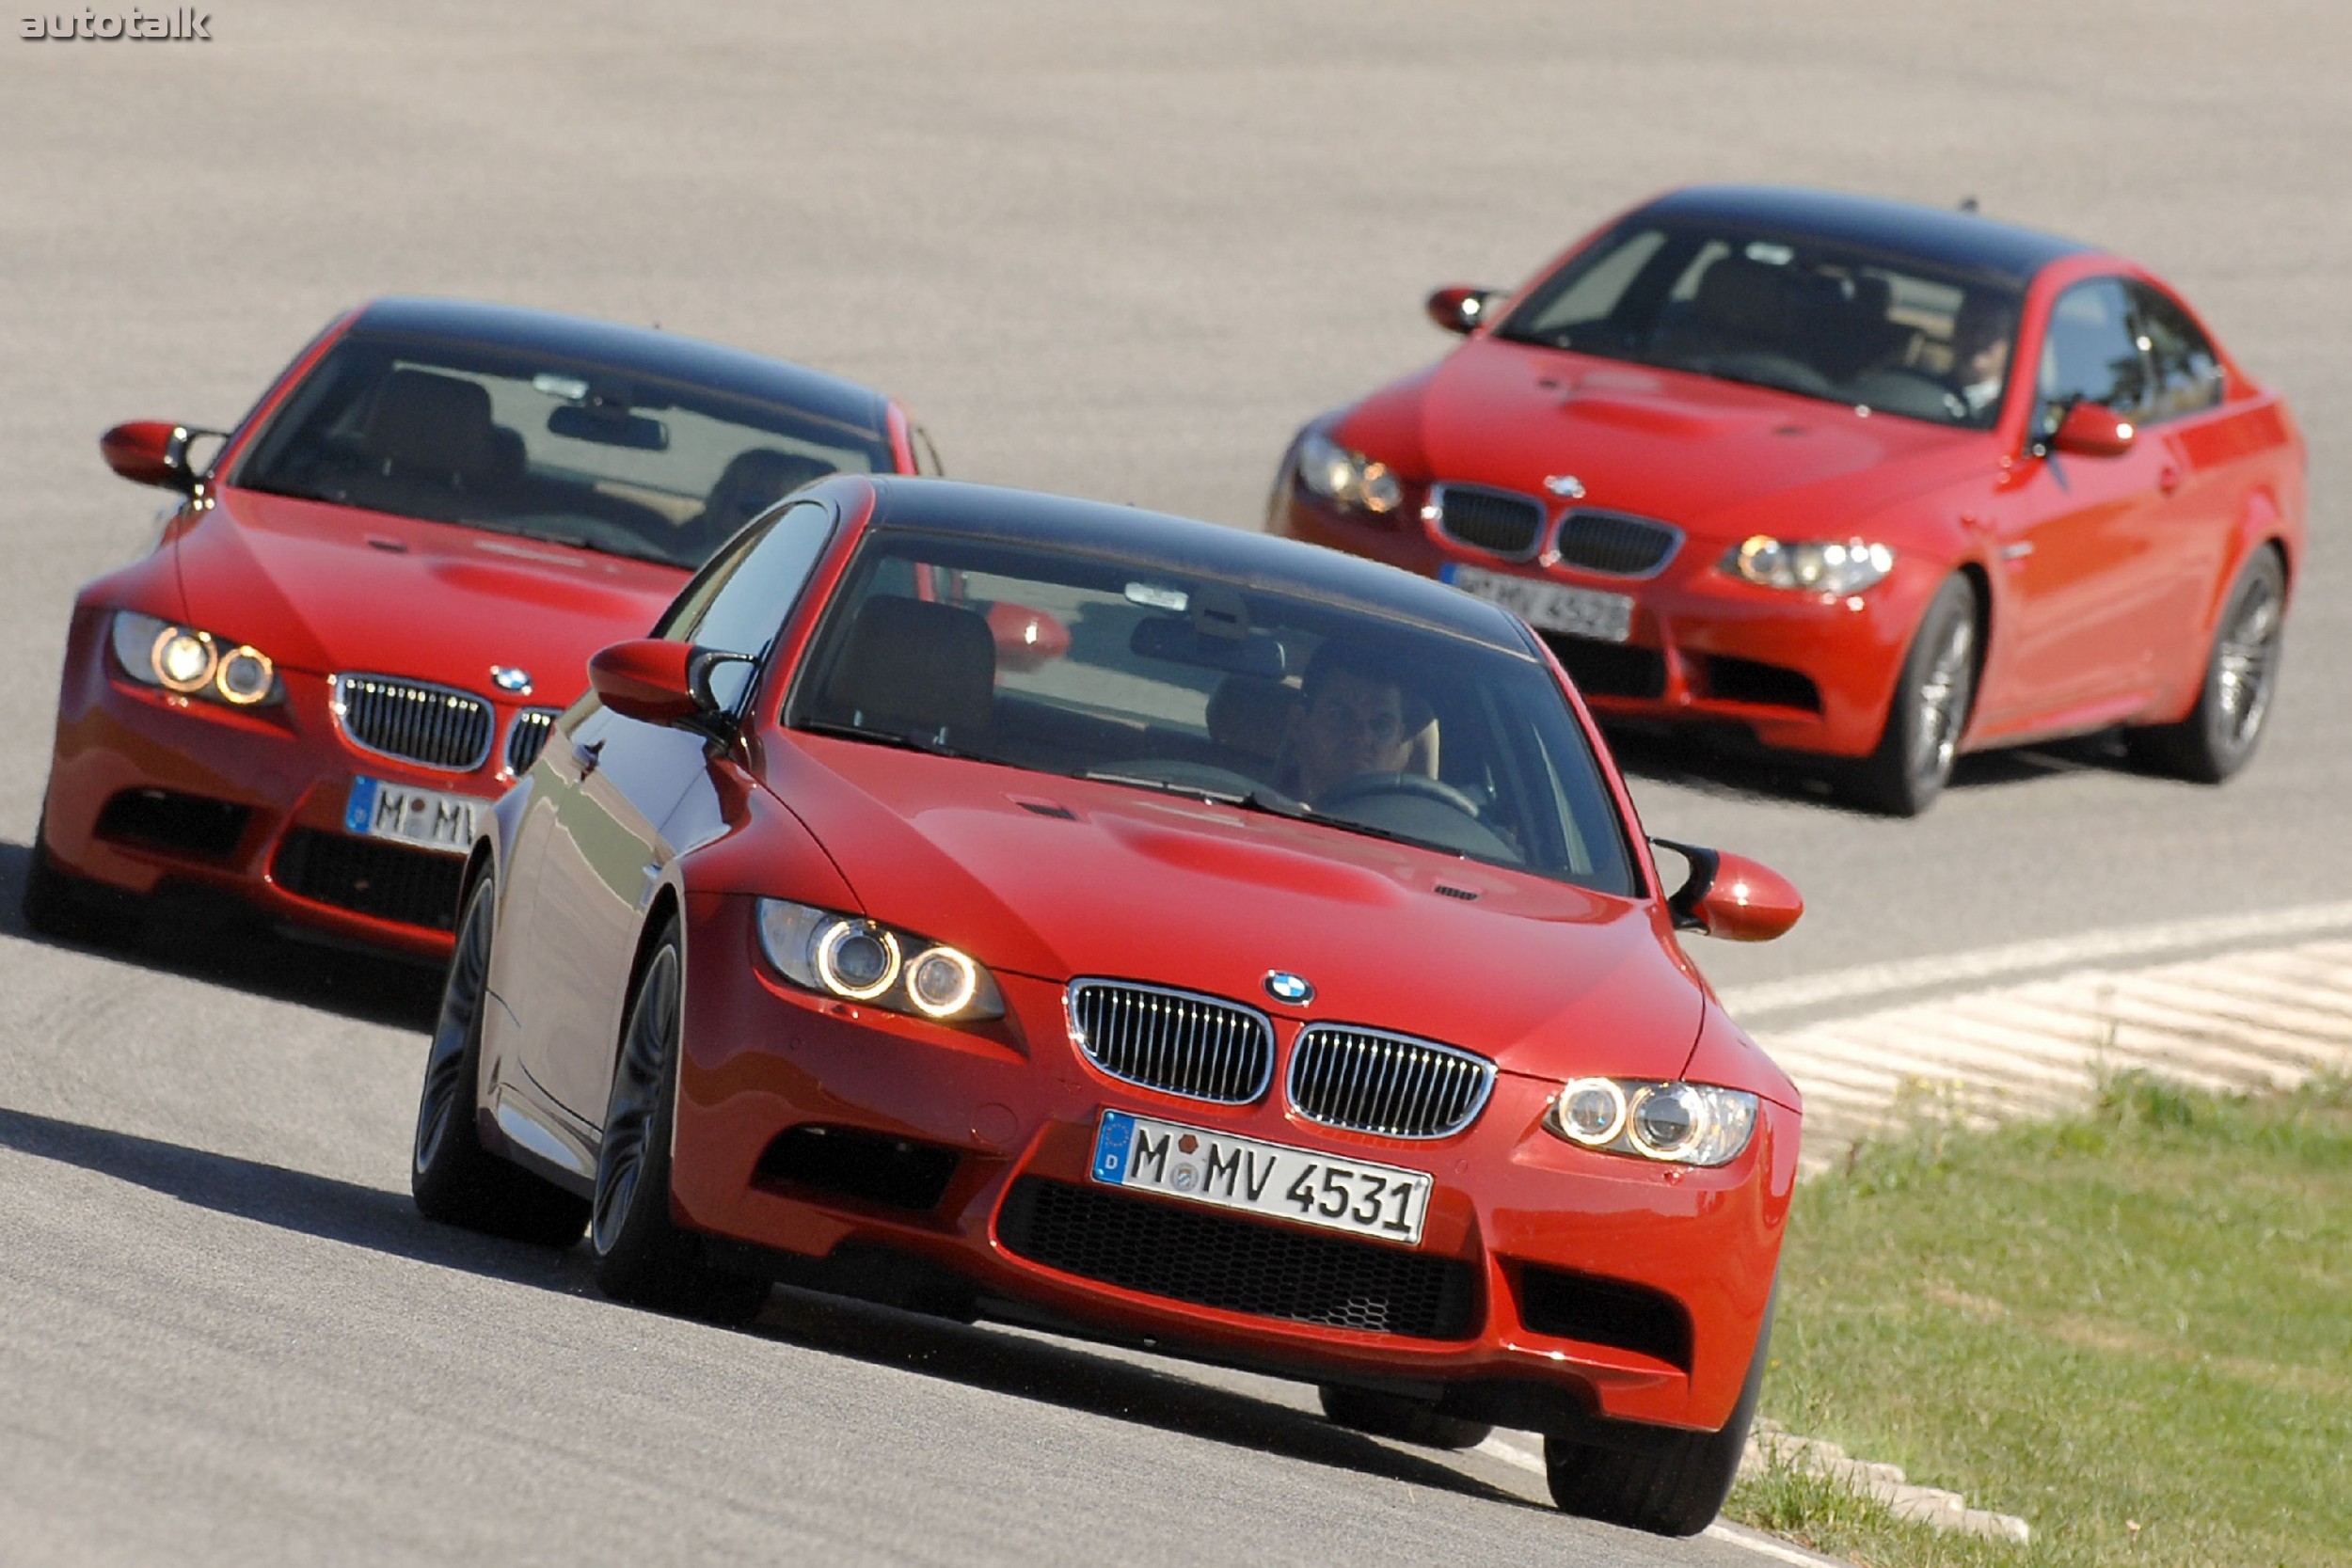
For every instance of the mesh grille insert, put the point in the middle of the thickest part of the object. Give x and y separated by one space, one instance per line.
414 887
1238 1265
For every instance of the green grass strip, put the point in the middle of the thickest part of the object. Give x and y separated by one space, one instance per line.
2132 1327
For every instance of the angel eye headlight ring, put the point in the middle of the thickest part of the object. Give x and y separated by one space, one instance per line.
941 982
245 676
183 660
857 959
1591 1111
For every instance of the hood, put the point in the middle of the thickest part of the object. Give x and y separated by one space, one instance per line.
325 589
1057 878
1715 458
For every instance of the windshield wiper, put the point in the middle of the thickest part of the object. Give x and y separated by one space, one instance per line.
1266 802
886 737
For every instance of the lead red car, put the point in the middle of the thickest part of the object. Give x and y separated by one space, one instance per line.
1868 482
1266 966
359 624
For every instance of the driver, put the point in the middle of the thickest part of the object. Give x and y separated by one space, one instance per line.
1357 715
1981 334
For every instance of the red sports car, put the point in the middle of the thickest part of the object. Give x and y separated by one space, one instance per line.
356 628
1851 478
1271 969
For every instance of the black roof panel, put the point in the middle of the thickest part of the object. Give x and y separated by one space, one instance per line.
646 351
1956 239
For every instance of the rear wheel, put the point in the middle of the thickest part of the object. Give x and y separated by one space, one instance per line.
1395 1416
2220 734
642 1257
454 1178
1929 711
1665 1482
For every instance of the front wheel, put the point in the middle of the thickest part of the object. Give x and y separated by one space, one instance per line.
2220 734
58 904
1928 712
453 1177
1665 1482
642 1257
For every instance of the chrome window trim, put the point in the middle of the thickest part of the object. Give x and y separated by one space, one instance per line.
1077 1035
339 707
1551 560
1534 551
1487 1072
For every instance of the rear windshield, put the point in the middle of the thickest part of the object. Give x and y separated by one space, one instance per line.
576 453
1156 680
1900 334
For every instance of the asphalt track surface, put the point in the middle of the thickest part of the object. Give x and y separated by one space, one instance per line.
1107 252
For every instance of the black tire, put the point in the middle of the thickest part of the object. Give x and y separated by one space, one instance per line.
1928 712
1395 1416
453 1177
642 1257
2220 733
58 904
1658 1479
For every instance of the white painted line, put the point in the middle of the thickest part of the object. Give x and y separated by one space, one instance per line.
1764 1545
1498 1447
1991 963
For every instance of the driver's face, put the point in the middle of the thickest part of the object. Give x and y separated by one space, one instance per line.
1354 726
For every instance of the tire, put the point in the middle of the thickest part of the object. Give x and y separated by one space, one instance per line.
1665 1482
453 1177
1393 1416
1928 712
642 1257
2220 733
58 904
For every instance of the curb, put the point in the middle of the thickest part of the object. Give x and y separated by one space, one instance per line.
1770 1447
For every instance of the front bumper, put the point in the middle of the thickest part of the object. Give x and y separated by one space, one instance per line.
247 803
1009 1113
1800 671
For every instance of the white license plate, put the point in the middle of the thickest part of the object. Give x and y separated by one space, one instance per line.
1550 606
1221 1169
427 818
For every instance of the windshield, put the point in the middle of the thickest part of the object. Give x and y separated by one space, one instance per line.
1895 333
575 453
1158 680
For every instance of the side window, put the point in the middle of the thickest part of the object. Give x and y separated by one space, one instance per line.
2091 352
2188 375
745 595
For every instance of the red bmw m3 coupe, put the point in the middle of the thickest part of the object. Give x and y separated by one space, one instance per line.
358 626
1271 969
1864 482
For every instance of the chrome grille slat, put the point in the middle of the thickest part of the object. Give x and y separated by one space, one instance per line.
1201 1047
1501 522
415 720
1370 1081
1615 544
526 734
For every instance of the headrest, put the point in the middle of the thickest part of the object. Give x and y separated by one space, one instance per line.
1743 296
756 476
1873 296
930 666
431 425
1251 715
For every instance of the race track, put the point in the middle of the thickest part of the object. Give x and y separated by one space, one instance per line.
1112 251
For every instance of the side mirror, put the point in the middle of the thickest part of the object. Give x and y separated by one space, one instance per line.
658 681
2093 430
1461 309
153 451
1731 897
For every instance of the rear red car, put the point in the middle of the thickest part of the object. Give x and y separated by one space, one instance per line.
358 628
1865 482
1270 970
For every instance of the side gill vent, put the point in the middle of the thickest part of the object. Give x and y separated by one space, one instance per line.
1465 894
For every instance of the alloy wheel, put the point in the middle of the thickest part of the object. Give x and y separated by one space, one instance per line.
630 1120
1943 702
2249 665
445 1066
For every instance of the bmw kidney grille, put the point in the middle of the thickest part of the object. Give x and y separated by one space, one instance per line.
1392 1085
430 724
526 735
1174 1040
1615 544
1500 521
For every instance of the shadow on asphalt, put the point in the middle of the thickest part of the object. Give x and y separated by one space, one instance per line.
217 942
1732 771
980 1357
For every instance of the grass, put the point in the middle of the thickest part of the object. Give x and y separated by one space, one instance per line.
2132 1327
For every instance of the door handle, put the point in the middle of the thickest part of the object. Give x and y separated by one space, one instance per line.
587 755
2170 480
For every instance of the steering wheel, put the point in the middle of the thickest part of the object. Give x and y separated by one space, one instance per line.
1421 784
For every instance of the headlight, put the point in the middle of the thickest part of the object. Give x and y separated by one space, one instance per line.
1680 1123
193 663
1347 478
1810 565
863 961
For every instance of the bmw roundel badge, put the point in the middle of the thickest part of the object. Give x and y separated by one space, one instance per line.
1281 985
507 678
